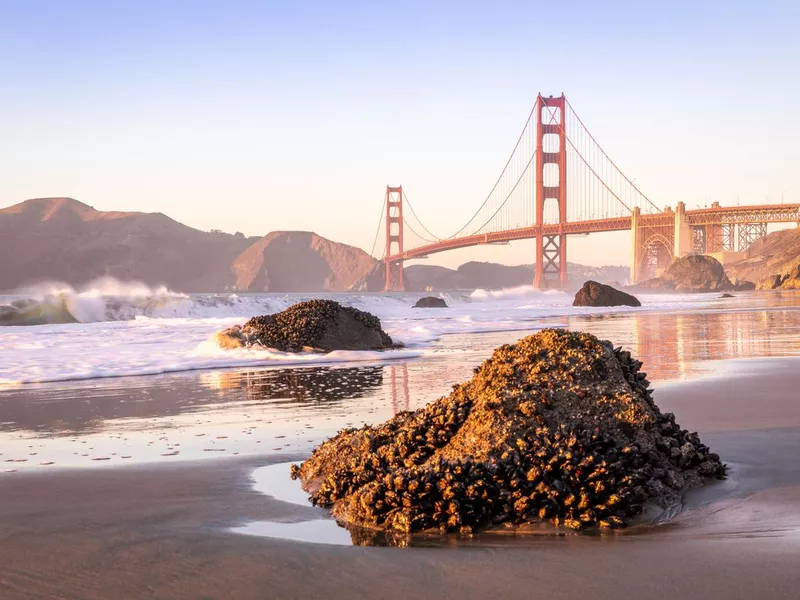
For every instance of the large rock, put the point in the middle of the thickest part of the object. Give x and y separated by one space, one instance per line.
430 302
318 325
560 427
598 294
695 273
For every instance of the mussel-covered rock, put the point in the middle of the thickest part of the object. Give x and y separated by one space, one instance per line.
599 294
430 302
322 325
559 427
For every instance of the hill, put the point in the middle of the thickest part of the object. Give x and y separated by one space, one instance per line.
65 240
777 254
302 261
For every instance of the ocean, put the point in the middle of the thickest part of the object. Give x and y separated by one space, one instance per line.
53 333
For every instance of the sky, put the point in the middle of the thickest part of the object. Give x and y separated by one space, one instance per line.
262 116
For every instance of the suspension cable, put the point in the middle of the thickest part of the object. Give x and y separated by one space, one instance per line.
413 212
378 232
503 172
422 237
525 170
633 185
600 179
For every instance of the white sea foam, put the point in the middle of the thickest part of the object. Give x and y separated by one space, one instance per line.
129 329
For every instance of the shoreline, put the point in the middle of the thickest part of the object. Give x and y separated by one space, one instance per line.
163 531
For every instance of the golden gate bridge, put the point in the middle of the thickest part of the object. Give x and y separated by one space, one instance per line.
558 181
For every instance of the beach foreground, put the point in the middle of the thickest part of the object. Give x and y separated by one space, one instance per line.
165 531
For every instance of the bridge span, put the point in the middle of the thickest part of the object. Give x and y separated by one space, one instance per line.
559 182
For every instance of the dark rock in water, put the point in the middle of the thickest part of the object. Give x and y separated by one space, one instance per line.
430 302
313 325
727 296
559 427
598 294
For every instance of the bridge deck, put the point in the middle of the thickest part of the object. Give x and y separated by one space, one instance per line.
775 213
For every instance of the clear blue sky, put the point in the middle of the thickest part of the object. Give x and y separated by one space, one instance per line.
256 116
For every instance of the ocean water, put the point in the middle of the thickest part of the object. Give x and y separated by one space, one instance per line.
56 333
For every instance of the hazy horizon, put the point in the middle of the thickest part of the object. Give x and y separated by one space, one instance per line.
254 118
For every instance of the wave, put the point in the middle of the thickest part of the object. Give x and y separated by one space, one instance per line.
514 293
104 299
108 299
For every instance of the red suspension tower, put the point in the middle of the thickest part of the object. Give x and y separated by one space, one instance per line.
394 238
551 186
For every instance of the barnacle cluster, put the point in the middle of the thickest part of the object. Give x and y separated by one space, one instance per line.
310 324
559 427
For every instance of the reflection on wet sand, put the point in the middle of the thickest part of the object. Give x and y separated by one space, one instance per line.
323 385
258 411
89 407
680 345
189 415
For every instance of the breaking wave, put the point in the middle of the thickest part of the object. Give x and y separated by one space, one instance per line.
104 299
108 299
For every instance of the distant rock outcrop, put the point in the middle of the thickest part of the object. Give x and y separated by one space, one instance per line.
775 256
786 281
695 273
315 325
597 294
430 302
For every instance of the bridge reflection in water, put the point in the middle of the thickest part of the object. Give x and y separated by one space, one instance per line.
685 345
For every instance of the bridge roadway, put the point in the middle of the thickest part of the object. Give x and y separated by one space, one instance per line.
774 213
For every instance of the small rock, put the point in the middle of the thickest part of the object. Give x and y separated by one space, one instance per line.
430 302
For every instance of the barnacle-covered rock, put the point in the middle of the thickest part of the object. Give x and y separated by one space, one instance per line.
312 325
559 427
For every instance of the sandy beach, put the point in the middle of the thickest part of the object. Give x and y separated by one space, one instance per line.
162 526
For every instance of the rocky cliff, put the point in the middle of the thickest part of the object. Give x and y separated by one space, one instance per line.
776 255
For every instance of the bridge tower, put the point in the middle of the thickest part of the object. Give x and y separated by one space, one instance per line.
551 186
394 238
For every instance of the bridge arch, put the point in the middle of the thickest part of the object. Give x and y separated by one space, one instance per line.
654 256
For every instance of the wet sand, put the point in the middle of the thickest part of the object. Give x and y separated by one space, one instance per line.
163 530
